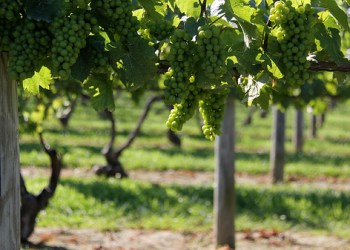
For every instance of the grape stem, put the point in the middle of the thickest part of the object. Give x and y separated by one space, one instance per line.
330 66
203 7
217 19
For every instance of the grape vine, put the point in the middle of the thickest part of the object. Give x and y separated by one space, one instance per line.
193 53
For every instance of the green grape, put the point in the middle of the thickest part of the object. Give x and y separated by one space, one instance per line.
10 10
101 61
160 29
294 33
70 35
9 18
212 52
184 110
211 107
181 66
120 16
28 49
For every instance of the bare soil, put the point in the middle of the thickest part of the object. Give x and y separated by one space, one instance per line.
137 239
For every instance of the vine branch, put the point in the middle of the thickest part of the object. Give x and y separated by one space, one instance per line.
330 66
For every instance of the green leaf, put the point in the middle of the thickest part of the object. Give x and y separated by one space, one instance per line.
99 87
191 26
257 93
44 10
82 67
191 8
227 8
40 79
154 8
336 11
329 41
138 63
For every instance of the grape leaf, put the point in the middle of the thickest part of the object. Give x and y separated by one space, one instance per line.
39 79
82 67
225 8
257 93
336 11
330 41
99 87
44 10
191 8
138 63
154 8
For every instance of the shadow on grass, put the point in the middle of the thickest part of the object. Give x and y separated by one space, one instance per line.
30 147
312 209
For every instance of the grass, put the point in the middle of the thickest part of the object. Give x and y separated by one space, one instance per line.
114 204
82 142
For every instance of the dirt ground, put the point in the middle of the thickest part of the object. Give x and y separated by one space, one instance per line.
132 239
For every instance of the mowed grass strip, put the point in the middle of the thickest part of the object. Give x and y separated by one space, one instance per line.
111 204
82 141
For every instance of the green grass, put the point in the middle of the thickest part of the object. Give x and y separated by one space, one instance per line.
113 204
82 142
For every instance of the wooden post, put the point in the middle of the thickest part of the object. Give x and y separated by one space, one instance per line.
277 146
9 162
224 193
298 137
313 126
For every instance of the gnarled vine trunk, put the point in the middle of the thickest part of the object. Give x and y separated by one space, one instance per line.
32 204
9 161
114 166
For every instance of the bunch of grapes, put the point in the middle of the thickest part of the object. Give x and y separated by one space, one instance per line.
28 49
295 35
212 52
181 64
212 106
160 29
119 14
9 17
70 35
100 61
184 110
10 10
6 34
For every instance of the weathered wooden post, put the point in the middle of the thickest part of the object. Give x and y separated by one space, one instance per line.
9 162
277 145
298 136
224 194
313 126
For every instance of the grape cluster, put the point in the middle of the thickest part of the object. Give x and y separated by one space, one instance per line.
70 35
100 61
211 51
119 14
9 9
28 49
160 29
9 17
294 33
184 110
181 63
211 107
